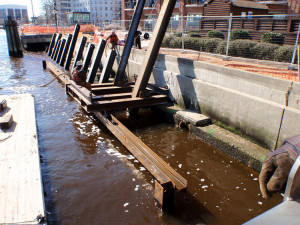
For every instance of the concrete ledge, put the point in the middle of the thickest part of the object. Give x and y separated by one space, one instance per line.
193 118
245 151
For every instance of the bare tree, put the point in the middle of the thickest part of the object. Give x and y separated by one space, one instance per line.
49 9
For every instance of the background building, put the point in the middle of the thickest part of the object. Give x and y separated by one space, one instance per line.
100 10
17 12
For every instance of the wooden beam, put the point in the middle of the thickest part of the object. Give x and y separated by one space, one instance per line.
72 47
108 67
88 56
112 96
79 53
95 64
111 90
57 50
66 49
55 46
61 48
51 44
153 49
119 104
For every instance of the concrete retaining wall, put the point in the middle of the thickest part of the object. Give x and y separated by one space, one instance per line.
252 103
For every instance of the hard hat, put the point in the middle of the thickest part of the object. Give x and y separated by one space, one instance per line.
113 31
79 63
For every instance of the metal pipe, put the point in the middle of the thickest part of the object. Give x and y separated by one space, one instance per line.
228 36
127 49
295 48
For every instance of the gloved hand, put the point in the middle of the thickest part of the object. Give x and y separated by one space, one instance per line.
276 168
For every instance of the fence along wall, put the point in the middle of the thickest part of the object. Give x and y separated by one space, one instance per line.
252 103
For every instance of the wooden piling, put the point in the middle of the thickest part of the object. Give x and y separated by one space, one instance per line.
56 45
61 48
80 51
13 38
65 51
88 56
72 47
108 67
57 50
96 63
50 48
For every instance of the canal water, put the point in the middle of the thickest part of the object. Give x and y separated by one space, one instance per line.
90 178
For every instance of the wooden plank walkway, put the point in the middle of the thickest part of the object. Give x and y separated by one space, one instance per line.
21 189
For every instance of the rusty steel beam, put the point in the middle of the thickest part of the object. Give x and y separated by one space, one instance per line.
153 49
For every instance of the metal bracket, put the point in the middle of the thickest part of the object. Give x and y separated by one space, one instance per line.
292 190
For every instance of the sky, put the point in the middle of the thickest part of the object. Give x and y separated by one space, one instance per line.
36 5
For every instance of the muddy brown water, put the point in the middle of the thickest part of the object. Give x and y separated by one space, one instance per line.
90 178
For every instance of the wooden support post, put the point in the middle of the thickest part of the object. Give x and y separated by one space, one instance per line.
88 56
289 25
255 24
72 47
108 67
80 51
13 38
153 49
3 104
50 48
65 51
6 121
57 50
164 194
55 46
96 63
61 48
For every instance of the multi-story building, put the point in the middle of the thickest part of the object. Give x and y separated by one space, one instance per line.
100 10
17 12
62 7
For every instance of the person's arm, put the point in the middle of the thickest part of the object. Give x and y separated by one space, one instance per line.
276 168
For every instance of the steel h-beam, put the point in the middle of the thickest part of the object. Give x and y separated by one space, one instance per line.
127 48
51 44
97 59
72 47
88 57
80 51
62 45
107 67
55 46
66 49
57 50
153 49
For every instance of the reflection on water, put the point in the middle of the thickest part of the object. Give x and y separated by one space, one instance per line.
90 178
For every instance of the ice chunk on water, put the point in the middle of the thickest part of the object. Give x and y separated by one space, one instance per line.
126 204
180 165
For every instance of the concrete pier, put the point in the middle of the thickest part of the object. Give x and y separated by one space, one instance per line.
21 189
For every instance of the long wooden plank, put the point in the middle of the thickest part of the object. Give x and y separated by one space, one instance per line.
119 104
114 128
111 90
21 189
178 181
58 72
153 49
112 96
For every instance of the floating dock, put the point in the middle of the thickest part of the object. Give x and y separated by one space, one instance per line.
21 189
